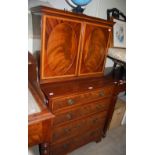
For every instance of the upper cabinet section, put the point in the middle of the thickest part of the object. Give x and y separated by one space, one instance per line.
72 45
94 49
60 47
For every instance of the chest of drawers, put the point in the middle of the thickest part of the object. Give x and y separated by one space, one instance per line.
81 114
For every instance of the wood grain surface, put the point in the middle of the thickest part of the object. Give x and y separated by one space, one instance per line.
94 49
73 53
61 47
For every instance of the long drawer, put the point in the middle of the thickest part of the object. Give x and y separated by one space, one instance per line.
57 104
79 127
81 111
73 143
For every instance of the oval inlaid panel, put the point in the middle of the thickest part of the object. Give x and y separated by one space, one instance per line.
94 50
61 47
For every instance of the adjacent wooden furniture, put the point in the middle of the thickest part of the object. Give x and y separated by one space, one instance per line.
73 53
40 120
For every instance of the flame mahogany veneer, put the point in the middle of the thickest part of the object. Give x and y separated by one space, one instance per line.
71 74
72 45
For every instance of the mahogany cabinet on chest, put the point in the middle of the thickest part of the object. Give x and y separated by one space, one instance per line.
71 68
72 46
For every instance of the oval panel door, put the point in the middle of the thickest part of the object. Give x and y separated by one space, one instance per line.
94 50
60 49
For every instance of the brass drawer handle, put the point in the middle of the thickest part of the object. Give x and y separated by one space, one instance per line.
55 135
99 106
78 126
66 130
92 133
94 120
69 116
70 101
65 146
101 94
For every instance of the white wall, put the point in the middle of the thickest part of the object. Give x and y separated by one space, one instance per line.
96 8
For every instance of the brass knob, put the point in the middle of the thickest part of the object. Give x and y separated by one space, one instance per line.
69 116
51 94
101 94
90 87
70 101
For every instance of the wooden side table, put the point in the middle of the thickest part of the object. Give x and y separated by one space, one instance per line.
40 120
39 123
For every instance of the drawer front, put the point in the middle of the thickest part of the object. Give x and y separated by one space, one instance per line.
78 127
60 103
84 110
71 144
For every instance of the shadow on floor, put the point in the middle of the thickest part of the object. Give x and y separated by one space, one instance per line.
113 144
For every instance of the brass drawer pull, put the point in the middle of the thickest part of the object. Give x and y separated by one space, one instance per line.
65 146
55 135
66 130
94 120
78 126
70 101
101 94
69 116
92 133
99 106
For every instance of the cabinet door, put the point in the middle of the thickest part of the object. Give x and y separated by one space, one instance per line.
60 47
94 49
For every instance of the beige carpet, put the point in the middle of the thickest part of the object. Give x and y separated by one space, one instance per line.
113 144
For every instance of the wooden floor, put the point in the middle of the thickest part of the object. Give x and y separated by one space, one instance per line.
113 144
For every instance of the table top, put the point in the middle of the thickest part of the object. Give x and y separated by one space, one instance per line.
32 104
